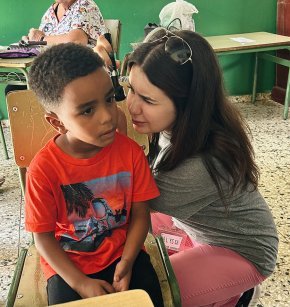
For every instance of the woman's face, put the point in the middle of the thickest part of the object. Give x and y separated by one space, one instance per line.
151 109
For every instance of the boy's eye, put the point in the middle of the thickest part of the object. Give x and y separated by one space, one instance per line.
87 111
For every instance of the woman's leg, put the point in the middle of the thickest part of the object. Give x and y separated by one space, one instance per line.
208 275
213 276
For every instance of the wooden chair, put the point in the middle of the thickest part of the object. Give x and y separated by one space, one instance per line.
30 132
114 27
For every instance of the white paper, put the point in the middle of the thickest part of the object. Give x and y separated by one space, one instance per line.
242 40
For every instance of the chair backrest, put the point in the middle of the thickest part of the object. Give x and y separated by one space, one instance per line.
114 27
30 131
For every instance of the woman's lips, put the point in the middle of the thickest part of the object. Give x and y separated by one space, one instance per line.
138 123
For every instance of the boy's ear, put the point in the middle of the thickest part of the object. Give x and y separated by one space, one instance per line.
55 122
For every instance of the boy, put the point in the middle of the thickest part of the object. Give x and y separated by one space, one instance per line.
86 188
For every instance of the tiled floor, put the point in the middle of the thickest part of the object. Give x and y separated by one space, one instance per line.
271 139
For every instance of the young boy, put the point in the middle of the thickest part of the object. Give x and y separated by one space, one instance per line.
86 189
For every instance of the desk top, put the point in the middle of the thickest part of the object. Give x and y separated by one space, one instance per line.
131 298
225 43
16 63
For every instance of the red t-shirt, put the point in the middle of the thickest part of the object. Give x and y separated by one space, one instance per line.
87 202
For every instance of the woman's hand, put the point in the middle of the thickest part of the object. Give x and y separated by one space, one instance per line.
35 34
122 275
89 287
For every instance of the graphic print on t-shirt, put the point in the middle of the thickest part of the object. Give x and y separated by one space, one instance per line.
94 208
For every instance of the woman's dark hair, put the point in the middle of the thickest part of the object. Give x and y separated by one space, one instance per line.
52 70
207 124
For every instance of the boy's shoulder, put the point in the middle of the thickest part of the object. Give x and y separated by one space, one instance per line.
44 155
124 142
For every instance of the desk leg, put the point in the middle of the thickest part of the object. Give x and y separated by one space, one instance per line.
287 97
254 93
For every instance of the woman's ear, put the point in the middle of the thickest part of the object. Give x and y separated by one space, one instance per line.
55 122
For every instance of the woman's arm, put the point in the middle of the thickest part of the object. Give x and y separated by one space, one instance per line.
136 235
75 36
49 248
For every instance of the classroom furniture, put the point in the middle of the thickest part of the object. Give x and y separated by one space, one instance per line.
283 28
30 132
114 27
131 298
20 77
258 43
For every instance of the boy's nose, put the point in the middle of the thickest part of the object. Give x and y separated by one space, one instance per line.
105 115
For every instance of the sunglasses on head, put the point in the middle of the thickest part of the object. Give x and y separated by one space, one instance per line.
175 46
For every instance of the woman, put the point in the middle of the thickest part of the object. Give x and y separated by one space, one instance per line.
78 21
203 163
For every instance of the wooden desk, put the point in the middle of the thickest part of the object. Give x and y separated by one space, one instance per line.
131 298
258 43
22 65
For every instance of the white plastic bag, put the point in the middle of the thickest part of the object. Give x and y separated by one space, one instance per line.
178 15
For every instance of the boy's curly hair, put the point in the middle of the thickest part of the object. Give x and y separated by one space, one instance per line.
57 66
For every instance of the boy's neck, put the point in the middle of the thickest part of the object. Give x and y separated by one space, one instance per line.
76 148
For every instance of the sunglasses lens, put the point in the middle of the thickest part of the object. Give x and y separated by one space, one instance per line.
178 50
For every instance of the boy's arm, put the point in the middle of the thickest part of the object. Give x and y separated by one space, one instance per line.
50 250
136 235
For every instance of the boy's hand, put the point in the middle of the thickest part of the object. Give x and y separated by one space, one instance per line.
90 287
122 275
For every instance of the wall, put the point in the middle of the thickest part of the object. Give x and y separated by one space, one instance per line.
215 17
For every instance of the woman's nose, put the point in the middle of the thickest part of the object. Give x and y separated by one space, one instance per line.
133 104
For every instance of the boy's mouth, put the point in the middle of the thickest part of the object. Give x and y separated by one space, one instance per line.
109 132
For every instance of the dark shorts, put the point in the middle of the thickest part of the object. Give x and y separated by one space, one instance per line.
143 277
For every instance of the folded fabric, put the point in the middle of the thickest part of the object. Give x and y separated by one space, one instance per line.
19 53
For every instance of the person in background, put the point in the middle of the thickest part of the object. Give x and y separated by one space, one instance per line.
87 189
203 163
77 21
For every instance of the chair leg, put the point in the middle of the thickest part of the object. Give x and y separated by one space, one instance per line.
175 291
16 278
3 141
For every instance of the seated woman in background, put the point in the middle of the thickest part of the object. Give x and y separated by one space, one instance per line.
76 21
204 166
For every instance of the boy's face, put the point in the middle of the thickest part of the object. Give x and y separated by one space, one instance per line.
88 113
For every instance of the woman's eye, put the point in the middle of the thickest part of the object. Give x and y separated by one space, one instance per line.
130 89
111 99
148 101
